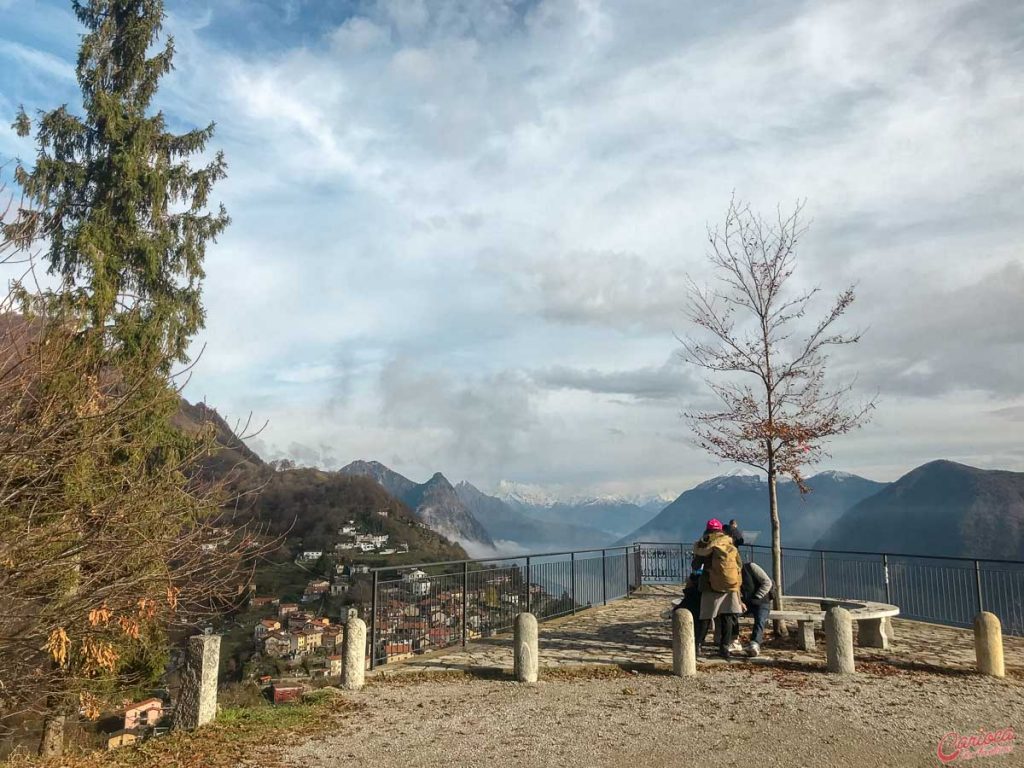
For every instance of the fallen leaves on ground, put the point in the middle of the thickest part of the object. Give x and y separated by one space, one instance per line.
249 735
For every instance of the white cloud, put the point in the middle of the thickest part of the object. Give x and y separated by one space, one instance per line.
439 206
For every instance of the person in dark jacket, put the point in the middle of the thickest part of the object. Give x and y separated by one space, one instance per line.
757 592
733 529
691 601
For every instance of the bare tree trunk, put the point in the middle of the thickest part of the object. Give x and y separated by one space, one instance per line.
773 510
52 742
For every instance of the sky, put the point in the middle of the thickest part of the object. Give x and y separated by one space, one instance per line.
463 229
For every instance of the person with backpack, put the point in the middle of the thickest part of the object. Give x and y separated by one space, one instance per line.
757 592
720 584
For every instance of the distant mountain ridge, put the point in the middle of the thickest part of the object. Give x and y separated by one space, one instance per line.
537 497
304 506
434 502
507 524
941 508
743 496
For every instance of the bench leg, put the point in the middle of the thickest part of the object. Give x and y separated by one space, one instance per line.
871 633
805 636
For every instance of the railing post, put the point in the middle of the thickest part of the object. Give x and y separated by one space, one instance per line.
885 574
682 564
604 579
572 580
977 584
528 585
465 599
637 567
824 582
373 623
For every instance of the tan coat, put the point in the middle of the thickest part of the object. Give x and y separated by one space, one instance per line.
722 562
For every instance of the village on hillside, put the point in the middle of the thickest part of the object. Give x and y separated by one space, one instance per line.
292 644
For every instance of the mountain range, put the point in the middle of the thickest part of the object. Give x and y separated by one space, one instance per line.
303 507
804 518
615 515
514 529
940 508
434 502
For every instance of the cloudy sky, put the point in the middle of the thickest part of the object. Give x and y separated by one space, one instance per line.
462 228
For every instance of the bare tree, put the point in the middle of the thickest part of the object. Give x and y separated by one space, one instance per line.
112 539
777 410
110 542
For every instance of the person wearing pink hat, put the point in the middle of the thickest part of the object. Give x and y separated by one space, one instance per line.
720 584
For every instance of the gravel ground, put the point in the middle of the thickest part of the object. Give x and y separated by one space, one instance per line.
727 715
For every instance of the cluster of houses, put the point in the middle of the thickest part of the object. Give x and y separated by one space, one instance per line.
295 633
420 612
415 614
354 540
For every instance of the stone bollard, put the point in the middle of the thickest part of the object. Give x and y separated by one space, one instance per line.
197 697
353 653
684 649
839 641
524 645
988 644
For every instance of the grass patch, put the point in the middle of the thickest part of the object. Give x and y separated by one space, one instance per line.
250 734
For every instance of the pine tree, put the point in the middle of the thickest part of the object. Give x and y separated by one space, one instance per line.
95 470
124 212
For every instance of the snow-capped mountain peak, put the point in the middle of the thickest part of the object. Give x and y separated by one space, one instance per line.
537 496
523 493
745 475
836 475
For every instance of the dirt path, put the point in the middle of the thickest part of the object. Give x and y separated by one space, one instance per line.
738 715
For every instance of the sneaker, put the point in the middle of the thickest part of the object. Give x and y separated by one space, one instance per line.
753 649
736 647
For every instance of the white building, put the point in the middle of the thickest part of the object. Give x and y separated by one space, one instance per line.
419 583
311 554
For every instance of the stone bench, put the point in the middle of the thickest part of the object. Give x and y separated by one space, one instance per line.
873 619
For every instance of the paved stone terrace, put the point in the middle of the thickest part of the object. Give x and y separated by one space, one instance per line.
631 633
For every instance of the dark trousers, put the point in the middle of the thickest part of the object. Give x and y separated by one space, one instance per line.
730 628
760 614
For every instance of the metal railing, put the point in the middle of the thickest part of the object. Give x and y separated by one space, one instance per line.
416 608
941 590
